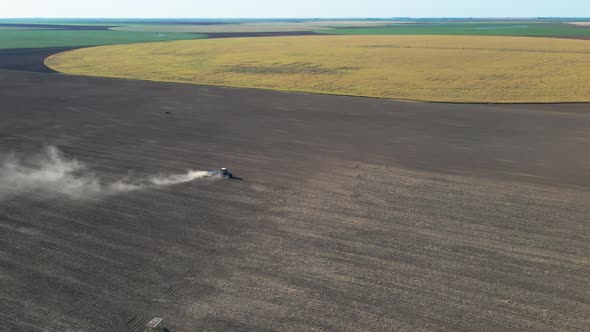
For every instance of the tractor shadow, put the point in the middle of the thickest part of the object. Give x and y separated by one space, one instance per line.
236 178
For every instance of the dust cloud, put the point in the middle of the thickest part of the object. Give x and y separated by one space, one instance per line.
51 174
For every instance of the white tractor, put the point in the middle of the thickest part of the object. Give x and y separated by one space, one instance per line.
226 173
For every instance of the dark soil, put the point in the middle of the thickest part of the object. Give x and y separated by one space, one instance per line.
29 59
353 213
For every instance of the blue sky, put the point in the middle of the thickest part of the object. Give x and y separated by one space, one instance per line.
293 8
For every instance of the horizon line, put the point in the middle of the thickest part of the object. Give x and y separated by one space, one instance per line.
307 18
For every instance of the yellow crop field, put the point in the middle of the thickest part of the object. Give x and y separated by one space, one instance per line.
427 68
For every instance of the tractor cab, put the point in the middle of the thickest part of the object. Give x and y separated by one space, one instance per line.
226 173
